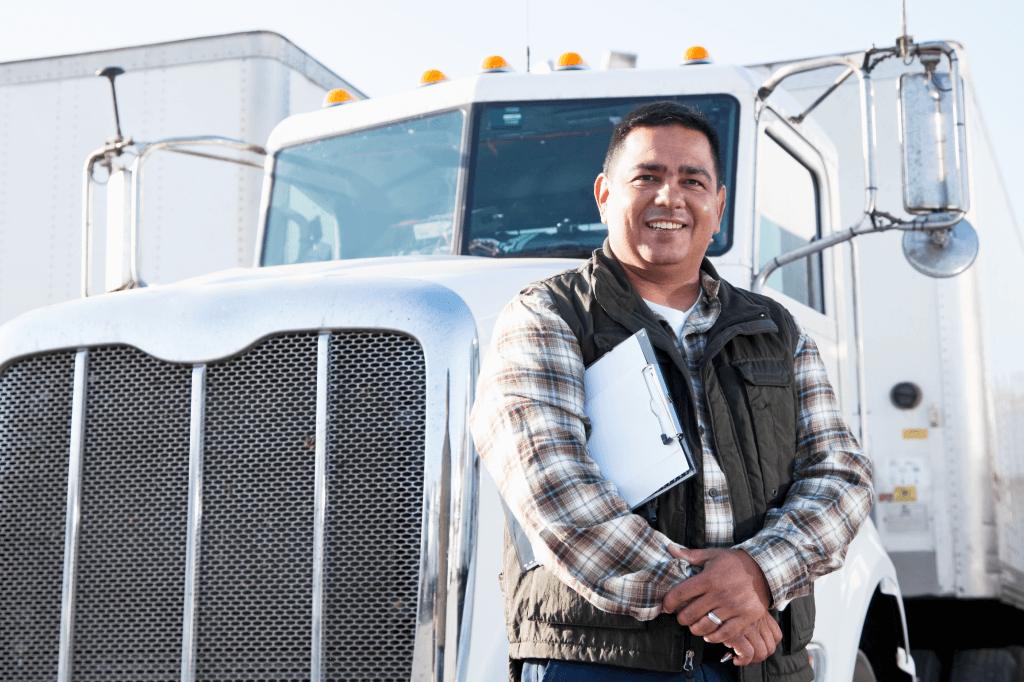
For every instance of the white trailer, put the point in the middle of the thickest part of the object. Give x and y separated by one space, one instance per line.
201 216
945 394
268 471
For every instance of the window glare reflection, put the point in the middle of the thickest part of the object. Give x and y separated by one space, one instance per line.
387 191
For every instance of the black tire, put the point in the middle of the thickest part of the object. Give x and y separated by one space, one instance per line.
984 665
929 667
1018 653
862 670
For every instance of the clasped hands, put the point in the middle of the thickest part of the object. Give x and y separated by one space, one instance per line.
733 587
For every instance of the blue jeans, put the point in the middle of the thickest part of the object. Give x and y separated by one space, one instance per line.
567 671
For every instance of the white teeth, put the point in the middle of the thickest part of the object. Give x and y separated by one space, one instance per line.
664 225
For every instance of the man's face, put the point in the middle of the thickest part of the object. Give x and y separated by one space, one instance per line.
660 201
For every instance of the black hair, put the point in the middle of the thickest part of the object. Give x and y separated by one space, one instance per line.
664 113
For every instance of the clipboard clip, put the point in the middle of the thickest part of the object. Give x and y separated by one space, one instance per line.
656 392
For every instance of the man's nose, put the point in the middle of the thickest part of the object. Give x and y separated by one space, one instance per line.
669 195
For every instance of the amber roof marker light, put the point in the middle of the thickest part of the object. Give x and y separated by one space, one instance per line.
432 77
696 55
496 64
337 96
570 61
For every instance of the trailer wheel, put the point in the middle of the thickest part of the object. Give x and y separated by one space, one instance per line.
862 670
984 665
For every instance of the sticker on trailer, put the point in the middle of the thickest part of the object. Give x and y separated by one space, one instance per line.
906 493
906 518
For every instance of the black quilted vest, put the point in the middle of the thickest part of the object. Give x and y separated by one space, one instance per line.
750 393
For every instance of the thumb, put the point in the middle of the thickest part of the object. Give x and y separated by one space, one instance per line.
696 557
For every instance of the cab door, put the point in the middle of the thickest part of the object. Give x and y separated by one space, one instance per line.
794 206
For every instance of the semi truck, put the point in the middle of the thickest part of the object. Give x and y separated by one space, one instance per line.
266 472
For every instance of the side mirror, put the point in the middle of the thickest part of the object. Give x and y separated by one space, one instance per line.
941 253
933 141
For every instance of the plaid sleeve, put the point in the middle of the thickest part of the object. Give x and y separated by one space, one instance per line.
530 429
831 492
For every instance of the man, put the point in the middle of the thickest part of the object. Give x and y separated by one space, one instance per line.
727 563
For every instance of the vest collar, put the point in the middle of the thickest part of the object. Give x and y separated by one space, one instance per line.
741 312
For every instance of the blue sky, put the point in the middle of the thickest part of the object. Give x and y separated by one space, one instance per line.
382 47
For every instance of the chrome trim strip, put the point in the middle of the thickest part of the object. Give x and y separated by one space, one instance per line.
74 515
446 498
266 194
320 502
465 500
197 425
428 653
462 182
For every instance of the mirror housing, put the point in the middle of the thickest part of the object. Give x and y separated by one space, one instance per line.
933 141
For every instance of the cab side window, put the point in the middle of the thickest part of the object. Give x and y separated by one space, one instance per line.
787 201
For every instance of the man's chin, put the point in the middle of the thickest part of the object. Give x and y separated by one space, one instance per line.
662 257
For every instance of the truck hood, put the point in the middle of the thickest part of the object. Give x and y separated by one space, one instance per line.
219 315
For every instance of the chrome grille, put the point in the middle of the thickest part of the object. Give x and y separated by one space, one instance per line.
375 455
35 434
256 551
254 578
133 524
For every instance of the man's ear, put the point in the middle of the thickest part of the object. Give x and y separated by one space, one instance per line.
721 206
601 194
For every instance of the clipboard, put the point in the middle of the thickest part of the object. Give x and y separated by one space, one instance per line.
636 438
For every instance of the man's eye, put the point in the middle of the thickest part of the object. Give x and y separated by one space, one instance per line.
694 181
645 178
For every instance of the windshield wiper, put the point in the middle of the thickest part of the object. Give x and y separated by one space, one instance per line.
554 251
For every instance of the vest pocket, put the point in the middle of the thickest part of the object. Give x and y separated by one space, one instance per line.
797 624
555 603
769 386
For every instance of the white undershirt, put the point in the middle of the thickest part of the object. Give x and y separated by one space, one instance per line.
675 318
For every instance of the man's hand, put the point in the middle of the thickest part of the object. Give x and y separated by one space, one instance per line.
731 585
757 643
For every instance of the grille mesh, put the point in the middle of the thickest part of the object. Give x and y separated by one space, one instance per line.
35 428
131 554
375 452
256 558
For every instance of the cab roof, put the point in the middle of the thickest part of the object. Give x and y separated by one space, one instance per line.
703 79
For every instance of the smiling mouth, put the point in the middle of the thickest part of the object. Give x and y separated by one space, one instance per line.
664 225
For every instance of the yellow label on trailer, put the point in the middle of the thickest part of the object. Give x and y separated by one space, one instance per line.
906 493
914 433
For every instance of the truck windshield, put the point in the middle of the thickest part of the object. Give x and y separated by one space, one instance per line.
393 190
534 166
387 191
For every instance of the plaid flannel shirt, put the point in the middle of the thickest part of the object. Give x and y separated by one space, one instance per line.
530 427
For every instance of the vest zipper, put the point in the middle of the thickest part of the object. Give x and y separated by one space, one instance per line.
688 663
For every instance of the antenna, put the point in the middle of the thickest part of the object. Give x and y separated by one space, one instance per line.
527 36
904 42
112 72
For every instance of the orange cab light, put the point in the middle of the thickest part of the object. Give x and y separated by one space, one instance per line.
696 55
337 96
570 61
495 64
431 77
